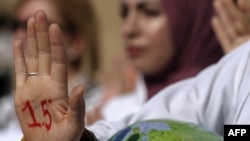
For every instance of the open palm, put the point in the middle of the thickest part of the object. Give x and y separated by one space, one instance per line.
43 107
232 23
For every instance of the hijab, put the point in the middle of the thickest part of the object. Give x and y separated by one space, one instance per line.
194 41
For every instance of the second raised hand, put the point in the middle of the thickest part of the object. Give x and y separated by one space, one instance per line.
231 24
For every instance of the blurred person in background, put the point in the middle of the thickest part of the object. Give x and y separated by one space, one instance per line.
123 91
161 60
77 20
164 46
9 127
5 53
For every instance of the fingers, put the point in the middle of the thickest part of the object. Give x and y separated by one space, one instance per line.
232 17
245 6
94 115
225 18
238 18
76 111
42 35
229 24
43 39
59 59
32 59
20 65
221 34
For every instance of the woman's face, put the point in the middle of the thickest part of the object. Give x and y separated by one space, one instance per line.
147 34
26 10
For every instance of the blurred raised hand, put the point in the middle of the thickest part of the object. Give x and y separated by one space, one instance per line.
44 109
231 22
119 81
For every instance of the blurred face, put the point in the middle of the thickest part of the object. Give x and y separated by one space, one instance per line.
27 10
146 33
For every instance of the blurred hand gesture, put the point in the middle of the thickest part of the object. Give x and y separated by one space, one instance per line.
43 107
232 22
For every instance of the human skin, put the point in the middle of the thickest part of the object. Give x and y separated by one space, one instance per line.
44 109
27 10
147 36
75 44
231 23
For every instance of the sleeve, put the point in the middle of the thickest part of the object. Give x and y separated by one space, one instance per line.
216 96
86 136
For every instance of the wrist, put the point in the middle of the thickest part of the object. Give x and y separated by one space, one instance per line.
88 136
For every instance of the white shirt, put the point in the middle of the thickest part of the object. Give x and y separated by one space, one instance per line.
126 103
9 126
216 96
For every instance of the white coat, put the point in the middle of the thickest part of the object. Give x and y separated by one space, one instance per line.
218 95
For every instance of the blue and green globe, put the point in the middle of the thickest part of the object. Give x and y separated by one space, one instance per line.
165 130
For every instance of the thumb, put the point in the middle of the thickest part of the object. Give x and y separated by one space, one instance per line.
76 110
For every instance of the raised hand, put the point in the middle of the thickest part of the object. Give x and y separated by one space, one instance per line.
232 22
43 107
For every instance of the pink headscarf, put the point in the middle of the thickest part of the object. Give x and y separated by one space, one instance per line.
193 38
